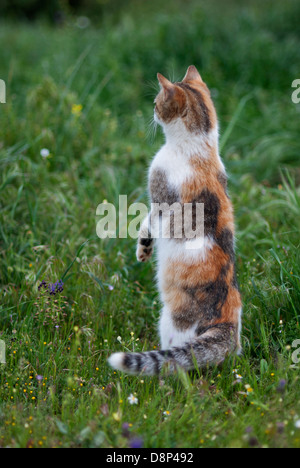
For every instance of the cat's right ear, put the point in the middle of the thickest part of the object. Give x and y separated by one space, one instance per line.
167 86
192 74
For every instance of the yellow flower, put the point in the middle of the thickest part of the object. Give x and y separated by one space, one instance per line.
76 109
117 416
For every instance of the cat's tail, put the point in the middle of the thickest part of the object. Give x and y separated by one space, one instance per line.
211 347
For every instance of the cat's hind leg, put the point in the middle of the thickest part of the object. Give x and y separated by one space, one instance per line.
170 336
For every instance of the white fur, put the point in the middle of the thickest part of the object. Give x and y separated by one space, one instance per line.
116 361
173 249
175 165
169 335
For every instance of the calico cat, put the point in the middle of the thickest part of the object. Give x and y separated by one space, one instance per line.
200 321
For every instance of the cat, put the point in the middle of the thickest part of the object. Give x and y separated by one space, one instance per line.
200 322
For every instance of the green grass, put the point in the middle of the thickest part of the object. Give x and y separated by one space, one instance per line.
249 56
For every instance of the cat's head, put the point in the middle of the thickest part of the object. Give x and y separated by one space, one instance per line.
188 100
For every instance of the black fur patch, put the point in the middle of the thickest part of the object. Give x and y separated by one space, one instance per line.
211 211
201 114
138 358
166 353
160 190
155 358
128 360
146 242
226 242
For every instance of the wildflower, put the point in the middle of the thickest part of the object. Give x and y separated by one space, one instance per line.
136 443
43 284
125 430
133 399
166 413
39 378
238 377
53 288
45 153
117 416
76 109
110 287
281 386
248 388
297 424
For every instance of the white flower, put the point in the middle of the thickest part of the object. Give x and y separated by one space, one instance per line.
45 153
119 339
133 399
238 377
166 413
297 424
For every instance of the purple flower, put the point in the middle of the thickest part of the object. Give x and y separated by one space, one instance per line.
125 430
281 386
39 378
42 284
136 443
58 286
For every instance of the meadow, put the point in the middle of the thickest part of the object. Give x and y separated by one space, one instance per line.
86 96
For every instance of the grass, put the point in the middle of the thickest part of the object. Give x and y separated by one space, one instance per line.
248 56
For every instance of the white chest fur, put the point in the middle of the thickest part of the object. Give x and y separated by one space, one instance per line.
174 164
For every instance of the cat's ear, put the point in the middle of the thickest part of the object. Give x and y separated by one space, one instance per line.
167 86
192 74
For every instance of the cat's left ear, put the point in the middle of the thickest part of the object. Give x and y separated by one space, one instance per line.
192 74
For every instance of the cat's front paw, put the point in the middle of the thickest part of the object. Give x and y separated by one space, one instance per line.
143 252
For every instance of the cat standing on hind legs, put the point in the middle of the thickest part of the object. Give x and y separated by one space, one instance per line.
201 315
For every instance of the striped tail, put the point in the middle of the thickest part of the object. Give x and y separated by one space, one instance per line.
211 347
